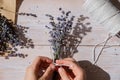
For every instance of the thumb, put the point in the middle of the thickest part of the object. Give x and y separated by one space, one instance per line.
30 74
48 73
63 74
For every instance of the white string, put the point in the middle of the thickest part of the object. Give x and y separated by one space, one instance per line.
105 42
94 50
105 13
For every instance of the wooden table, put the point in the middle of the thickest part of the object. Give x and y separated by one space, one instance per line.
108 65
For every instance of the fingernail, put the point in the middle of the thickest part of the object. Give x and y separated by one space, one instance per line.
60 69
52 67
57 61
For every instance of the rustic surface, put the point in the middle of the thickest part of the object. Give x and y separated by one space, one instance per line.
107 67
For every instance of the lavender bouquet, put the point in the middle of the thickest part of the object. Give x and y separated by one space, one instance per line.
65 37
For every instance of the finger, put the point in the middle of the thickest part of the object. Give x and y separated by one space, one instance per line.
48 73
36 63
69 59
63 74
76 69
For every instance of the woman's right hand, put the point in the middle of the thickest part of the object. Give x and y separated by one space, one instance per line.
73 70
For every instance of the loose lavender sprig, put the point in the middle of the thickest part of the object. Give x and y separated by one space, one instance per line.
21 13
27 14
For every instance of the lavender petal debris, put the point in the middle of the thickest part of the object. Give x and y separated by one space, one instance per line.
66 36
11 36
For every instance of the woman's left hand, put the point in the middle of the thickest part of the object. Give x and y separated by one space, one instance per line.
41 69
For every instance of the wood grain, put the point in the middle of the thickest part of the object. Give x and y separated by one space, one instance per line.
108 65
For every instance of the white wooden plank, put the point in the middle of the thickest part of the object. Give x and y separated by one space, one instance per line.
108 61
90 39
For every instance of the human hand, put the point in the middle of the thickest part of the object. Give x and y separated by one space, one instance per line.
41 69
71 70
